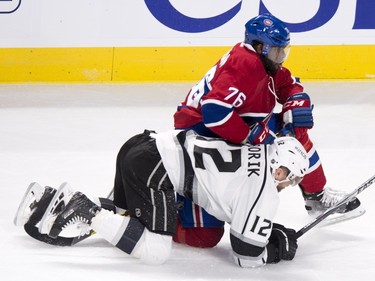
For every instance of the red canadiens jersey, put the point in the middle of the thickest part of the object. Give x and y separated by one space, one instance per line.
235 93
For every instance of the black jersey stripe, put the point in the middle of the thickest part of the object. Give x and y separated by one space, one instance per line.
261 190
244 249
189 171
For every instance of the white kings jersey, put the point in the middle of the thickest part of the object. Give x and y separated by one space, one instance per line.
231 182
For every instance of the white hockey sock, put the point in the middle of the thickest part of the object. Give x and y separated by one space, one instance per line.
153 248
109 225
129 235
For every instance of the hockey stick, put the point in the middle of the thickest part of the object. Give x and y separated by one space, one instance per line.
333 209
111 194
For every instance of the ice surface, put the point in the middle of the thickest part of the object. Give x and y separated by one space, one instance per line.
56 133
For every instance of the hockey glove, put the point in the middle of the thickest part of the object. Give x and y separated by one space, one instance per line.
261 134
297 114
282 244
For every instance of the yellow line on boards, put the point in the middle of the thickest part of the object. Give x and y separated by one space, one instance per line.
169 64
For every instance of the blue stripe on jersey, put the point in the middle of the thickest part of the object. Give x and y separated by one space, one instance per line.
275 122
202 130
314 159
214 113
186 214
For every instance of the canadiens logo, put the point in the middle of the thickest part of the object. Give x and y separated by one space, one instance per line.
268 22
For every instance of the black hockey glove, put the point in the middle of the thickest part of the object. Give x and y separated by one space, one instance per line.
282 244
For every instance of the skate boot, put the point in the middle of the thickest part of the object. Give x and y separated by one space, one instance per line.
318 203
56 205
78 212
33 204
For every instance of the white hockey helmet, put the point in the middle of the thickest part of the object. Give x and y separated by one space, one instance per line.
289 153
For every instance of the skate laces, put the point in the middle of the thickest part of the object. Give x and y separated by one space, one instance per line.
331 197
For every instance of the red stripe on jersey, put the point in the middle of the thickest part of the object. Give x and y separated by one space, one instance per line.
198 222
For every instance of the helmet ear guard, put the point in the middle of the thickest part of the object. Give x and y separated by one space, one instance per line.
288 152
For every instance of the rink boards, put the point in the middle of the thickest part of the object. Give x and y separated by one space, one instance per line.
170 40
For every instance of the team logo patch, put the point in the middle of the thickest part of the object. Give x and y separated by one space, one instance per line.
268 22
138 212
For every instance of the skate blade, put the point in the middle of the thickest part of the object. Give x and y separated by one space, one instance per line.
32 195
57 204
338 218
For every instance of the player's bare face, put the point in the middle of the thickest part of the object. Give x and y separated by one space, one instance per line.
281 176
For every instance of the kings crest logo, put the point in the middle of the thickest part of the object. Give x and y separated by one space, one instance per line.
9 6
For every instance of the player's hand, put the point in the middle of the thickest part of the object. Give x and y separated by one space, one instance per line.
282 244
297 114
261 134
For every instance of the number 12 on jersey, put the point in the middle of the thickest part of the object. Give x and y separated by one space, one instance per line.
261 227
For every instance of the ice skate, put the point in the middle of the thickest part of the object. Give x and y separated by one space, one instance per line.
35 197
57 204
318 203
78 212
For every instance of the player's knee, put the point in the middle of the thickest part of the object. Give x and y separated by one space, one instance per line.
154 248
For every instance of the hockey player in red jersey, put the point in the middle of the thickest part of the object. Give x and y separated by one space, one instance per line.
235 100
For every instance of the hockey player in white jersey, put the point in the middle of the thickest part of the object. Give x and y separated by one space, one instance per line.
238 184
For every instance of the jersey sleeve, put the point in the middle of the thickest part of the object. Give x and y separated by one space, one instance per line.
286 85
251 227
228 94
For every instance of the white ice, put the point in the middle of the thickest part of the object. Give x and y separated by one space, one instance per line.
55 133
